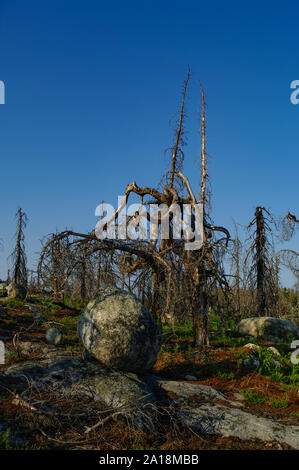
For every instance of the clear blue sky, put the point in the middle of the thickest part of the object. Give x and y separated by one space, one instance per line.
91 87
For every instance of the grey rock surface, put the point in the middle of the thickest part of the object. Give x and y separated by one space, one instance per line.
28 348
254 348
15 291
119 331
199 407
32 308
251 361
225 421
190 377
67 374
268 328
184 390
274 351
53 336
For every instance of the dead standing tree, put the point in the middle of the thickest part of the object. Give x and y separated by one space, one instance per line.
289 257
18 256
263 267
168 259
59 263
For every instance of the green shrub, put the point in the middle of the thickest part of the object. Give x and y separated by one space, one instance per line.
7 443
252 396
227 340
225 375
12 356
282 403
184 331
13 303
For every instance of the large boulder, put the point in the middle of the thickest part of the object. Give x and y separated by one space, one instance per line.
119 331
16 291
3 291
268 328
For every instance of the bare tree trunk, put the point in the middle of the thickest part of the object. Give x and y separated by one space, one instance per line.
236 261
99 271
83 275
200 321
19 257
260 260
200 314
55 254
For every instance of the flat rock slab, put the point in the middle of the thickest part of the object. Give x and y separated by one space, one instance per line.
67 374
184 391
199 407
231 422
28 348
89 378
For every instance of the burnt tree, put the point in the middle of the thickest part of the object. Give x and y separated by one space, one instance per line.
18 256
162 263
263 263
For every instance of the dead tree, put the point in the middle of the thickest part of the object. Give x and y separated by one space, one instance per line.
235 259
289 257
164 262
18 256
60 262
260 252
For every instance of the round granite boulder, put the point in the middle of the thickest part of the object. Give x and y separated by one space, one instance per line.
16 291
117 330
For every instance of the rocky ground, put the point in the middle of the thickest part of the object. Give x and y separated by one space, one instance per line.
54 396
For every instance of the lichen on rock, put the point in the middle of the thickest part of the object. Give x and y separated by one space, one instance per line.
119 331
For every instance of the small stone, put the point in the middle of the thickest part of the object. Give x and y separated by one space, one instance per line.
190 377
53 336
32 309
274 350
251 362
252 347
